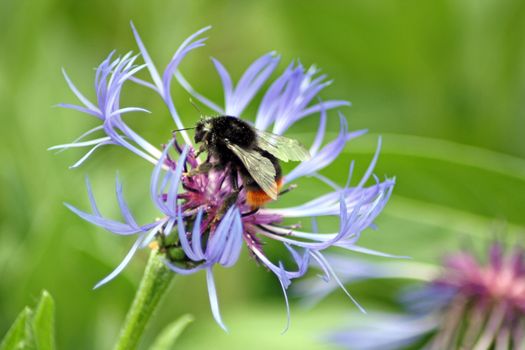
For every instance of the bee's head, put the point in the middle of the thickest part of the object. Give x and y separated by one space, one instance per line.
202 129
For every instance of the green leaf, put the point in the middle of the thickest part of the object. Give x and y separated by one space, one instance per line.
33 330
19 336
166 339
44 322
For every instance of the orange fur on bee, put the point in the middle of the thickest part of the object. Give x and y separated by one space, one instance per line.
258 197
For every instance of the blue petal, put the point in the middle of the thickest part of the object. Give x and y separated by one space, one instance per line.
110 225
324 157
154 184
123 264
385 332
123 205
81 109
79 95
182 236
233 248
88 154
326 266
320 133
218 238
250 83
227 84
174 186
196 237
92 200
214 303
186 85
147 59
282 278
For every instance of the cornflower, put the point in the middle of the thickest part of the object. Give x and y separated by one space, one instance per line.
472 303
193 231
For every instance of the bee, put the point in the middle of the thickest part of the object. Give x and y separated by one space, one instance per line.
251 153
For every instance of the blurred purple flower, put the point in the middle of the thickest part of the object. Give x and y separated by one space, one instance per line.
192 231
470 305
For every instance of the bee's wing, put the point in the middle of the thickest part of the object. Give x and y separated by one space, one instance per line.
282 147
259 167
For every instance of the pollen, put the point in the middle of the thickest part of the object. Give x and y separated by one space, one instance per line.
154 245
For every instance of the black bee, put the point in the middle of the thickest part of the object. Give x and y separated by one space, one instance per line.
252 153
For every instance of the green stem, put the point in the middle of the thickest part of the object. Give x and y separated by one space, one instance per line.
155 282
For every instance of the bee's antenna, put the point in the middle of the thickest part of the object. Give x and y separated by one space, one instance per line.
173 131
196 107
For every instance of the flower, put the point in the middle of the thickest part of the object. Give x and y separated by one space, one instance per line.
469 305
195 231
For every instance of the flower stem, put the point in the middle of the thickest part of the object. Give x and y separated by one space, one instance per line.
155 282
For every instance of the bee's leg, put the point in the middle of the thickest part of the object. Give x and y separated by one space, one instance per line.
230 200
203 168
251 212
291 187
202 148
234 178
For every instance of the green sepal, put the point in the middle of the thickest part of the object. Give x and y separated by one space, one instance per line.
176 254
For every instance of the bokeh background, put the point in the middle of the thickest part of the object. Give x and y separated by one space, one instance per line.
442 81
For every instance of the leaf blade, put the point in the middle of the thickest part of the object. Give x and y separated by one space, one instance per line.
44 322
167 338
19 336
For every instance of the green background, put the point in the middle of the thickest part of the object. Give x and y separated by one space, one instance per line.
442 81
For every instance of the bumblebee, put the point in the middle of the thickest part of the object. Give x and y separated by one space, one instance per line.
251 153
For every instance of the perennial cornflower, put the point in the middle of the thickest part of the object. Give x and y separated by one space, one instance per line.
468 305
193 231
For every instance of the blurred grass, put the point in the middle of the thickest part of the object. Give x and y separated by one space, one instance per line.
443 81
